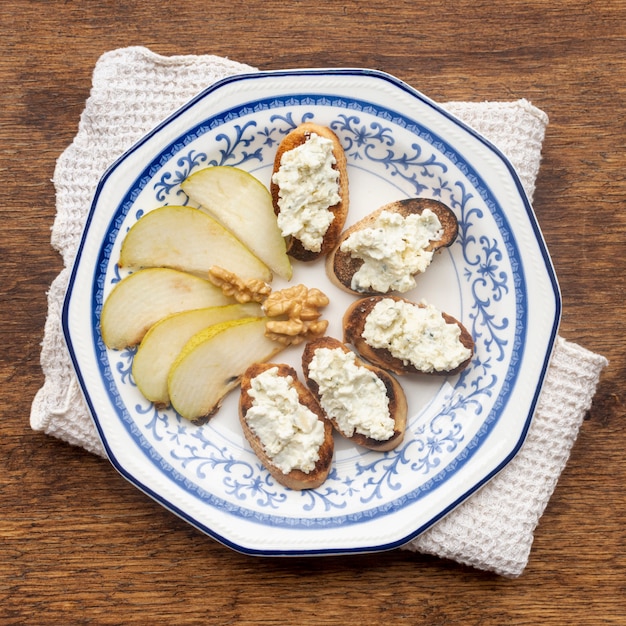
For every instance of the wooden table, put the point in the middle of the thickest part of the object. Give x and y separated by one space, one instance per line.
80 545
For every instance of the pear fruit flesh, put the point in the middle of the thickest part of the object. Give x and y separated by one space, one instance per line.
212 363
143 298
190 240
242 204
165 340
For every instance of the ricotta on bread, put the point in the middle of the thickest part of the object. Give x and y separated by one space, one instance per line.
364 403
384 251
309 188
407 337
285 426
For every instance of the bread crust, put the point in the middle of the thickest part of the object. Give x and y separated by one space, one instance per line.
296 479
397 399
341 267
354 323
295 138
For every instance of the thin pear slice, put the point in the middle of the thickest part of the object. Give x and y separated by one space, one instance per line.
165 340
212 363
242 204
190 240
143 298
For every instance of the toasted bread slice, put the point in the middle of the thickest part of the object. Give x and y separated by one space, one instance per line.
341 267
295 479
295 138
395 394
354 321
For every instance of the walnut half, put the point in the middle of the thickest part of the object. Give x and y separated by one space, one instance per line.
299 310
251 290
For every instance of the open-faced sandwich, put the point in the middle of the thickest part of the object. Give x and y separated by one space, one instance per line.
309 190
285 427
407 337
386 249
364 403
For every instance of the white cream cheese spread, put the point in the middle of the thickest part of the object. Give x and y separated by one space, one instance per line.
290 433
351 395
416 335
393 249
308 186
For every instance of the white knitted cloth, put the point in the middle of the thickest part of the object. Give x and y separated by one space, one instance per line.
133 90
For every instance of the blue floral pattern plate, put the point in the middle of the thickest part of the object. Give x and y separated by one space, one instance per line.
497 278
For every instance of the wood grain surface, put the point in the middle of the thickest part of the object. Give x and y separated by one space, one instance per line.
80 545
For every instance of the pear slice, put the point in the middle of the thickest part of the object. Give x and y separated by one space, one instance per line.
190 240
212 363
242 204
143 298
164 341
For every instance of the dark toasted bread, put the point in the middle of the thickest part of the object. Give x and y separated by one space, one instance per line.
295 138
295 479
395 394
341 267
354 324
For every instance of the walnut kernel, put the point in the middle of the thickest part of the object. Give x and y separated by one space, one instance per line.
298 307
251 290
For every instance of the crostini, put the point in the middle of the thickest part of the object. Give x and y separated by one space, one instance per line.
309 189
384 251
364 403
405 337
285 426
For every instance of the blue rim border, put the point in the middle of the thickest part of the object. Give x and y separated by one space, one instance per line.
399 84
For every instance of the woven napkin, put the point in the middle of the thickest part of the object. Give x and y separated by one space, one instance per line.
133 90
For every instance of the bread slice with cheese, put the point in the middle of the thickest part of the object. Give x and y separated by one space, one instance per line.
397 346
296 138
294 419
389 256
361 400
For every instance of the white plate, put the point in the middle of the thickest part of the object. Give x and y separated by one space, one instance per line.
497 278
